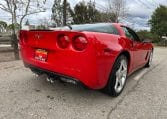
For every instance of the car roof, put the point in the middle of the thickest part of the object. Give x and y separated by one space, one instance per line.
119 24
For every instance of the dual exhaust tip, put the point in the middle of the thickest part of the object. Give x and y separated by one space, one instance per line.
52 79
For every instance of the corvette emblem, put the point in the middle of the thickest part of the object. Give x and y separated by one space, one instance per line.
37 36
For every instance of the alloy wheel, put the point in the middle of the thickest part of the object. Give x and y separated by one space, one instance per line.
121 75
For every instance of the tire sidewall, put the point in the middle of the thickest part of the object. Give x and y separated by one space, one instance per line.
148 64
112 79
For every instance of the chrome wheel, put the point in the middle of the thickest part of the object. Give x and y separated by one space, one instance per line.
121 75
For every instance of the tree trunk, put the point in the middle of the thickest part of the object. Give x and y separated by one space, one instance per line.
14 35
15 46
64 12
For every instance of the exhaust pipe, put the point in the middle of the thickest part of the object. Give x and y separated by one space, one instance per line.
50 79
36 75
68 80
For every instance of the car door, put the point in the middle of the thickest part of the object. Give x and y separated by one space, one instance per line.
136 47
141 47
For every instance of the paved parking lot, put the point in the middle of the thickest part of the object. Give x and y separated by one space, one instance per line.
23 96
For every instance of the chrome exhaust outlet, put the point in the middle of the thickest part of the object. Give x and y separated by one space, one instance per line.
68 80
36 75
50 79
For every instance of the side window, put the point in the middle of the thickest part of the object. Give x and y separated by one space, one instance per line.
113 30
136 38
130 34
127 33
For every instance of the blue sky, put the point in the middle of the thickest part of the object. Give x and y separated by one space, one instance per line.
139 12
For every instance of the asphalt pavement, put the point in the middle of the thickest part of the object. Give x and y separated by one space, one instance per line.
24 96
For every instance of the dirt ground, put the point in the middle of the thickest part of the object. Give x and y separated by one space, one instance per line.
24 96
6 56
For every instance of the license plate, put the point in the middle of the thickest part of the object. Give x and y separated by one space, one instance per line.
41 55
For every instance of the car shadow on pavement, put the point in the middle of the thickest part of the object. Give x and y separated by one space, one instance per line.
77 92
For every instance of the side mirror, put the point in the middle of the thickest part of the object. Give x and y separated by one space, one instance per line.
146 40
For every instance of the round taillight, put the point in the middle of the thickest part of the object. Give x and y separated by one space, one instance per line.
79 43
63 41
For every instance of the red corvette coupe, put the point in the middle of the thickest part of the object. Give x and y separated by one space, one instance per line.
97 56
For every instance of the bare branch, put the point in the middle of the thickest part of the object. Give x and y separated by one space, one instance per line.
25 14
9 5
19 9
118 8
3 7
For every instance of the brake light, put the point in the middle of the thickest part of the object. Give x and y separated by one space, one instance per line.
23 37
79 43
63 41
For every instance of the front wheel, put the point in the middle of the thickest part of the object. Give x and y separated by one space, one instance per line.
149 63
117 79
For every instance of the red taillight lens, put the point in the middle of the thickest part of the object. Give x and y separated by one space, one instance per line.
79 43
63 41
23 37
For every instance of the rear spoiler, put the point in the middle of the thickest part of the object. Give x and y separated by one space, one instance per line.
41 30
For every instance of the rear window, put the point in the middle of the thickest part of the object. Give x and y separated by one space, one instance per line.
101 28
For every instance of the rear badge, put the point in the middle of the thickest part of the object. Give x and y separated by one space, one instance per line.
37 36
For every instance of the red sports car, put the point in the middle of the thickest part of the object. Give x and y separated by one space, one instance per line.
97 56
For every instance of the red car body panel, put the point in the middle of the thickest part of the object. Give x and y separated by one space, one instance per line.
91 66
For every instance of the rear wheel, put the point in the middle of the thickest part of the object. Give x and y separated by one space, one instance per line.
117 79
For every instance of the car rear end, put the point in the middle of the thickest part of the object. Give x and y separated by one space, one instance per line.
68 54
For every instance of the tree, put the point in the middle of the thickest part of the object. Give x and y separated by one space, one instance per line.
93 14
158 21
107 17
85 13
3 26
118 9
58 13
41 27
64 12
19 9
10 27
144 34
80 13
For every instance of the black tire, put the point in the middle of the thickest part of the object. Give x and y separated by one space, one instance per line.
109 89
148 64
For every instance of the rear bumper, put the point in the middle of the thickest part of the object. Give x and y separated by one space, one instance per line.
86 82
80 66
54 74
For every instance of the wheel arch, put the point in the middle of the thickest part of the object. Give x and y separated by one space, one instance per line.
127 55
